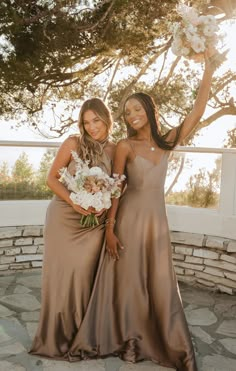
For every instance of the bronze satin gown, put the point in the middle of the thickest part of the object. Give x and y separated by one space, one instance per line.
70 263
135 310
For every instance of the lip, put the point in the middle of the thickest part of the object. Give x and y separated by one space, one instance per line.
135 121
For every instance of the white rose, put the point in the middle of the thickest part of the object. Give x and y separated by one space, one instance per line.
198 44
207 19
95 170
209 30
98 201
106 200
188 13
177 46
82 198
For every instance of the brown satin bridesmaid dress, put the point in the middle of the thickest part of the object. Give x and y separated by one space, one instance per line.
135 310
70 263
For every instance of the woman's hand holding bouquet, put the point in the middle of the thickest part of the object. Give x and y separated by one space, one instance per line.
91 190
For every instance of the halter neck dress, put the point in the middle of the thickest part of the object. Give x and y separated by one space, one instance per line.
70 262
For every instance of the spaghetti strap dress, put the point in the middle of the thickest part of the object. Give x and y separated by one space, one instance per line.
135 311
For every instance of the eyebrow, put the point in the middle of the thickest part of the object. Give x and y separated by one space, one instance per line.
94 118
137 105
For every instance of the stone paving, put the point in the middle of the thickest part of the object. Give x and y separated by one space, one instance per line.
211 318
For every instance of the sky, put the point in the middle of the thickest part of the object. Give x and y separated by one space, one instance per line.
212 136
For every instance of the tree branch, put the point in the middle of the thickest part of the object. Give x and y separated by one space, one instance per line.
163 65
95 67
90 28
221 86
173 66
112 77
176 175
215 116
137 77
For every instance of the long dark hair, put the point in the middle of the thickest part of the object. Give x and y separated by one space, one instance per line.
151 110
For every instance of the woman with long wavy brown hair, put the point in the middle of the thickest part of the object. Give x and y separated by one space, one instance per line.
72 251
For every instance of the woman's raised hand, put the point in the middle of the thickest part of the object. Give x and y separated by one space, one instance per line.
214 59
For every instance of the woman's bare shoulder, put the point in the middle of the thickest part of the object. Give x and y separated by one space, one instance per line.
124 143
72 141
123 147
74 137
68 145
111 144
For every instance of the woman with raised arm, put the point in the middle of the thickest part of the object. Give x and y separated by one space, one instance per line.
135 311
71 251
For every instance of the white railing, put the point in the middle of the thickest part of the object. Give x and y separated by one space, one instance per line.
218 222
32 144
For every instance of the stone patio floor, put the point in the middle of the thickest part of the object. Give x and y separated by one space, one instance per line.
211 318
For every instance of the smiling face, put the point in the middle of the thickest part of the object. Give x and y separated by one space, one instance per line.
135 114
94 126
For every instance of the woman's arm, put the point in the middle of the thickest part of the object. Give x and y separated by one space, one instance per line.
193 118
62 159
121 156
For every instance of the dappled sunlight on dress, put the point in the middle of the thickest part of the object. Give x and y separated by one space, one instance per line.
135 309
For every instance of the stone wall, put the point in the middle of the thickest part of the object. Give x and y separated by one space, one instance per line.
21 248
198 259
205 261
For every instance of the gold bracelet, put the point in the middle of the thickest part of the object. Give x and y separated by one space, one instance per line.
110 221
110 225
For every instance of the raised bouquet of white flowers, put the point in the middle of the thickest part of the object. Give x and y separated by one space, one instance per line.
90 187
194 33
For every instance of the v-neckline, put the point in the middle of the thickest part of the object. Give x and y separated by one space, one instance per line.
145 158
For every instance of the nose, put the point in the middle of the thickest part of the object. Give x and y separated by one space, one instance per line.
132 116
91 126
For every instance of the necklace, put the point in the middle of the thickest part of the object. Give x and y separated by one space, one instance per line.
148 143
151 147
104 141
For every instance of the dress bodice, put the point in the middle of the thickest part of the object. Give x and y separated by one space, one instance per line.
143 174
104 162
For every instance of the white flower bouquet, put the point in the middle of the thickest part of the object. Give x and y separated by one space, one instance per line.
90 187
194 33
